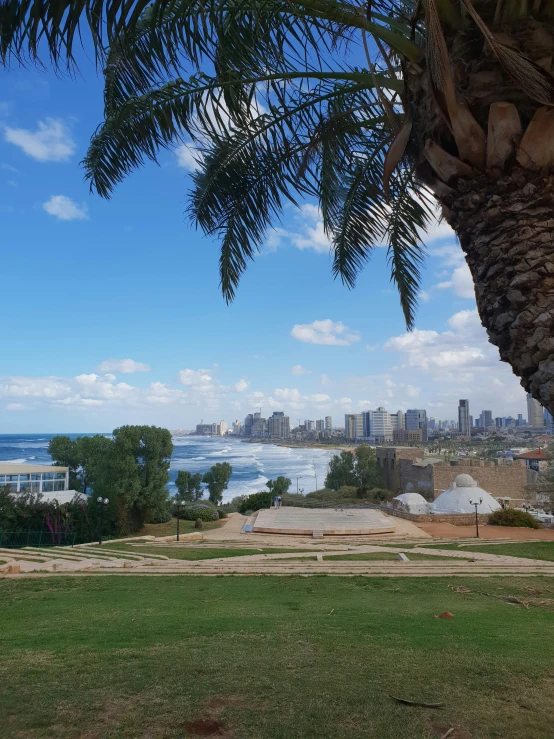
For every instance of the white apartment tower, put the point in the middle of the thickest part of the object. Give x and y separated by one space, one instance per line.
328 423
535 413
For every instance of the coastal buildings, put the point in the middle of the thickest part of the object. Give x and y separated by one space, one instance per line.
278 426
353 426
485 419
328 423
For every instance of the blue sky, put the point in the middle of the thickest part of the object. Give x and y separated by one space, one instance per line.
87 284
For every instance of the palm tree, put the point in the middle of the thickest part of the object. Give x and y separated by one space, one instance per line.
380 111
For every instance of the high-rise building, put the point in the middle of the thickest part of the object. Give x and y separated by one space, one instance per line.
486 419
320 425
398 420
498 421
309 425
223 427
416 418
248 421
203 429
381 425
464 426
520 421
237 428
216 430
259 425
535 415
353 426
328 423
278 425
548 419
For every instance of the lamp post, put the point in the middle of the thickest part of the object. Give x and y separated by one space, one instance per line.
299 477
178 504
476 503
103 502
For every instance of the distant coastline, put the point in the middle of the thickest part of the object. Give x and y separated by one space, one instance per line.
299 444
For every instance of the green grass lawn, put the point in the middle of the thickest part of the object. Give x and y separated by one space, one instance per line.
170 527
528 550
274 658
192 553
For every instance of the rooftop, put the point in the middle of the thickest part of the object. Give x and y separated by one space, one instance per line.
536 454
11 468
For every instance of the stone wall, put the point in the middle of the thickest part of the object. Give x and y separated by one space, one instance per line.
500 480
457 519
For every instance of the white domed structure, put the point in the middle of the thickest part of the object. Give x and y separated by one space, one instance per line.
410 502
456 498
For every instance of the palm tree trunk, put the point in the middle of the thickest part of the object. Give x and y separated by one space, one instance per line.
506 229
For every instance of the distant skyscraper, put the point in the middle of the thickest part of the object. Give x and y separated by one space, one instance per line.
519 421
328 423
248 421
223 427
416 418
464 426
237 428
353 426
320 425
535 415
486 419
309 425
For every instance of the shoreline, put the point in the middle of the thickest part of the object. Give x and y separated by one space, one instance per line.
300 444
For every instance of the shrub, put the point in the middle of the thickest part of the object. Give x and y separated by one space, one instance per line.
201 511
221 514
256 502
512 517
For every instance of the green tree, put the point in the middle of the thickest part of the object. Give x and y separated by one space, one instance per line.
354 469
84 456
381 112
341 471
189 485
279 486
217 479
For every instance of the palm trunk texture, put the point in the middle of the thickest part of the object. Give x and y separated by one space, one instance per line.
506 227
486 149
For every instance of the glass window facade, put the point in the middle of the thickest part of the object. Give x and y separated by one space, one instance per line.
36 482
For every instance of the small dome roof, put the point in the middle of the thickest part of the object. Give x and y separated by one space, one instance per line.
461 496
411 498
465 481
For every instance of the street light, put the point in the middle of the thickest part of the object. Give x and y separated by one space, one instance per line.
476 503
299 477
177 502
102 502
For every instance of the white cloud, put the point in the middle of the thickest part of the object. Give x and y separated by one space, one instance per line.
123 366
463 348
15 406
241 386
195 377
371 347
306 232
51 142
461 282
65 209
187 156
331 333
325 380
299 370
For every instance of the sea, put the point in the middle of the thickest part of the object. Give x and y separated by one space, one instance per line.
253 463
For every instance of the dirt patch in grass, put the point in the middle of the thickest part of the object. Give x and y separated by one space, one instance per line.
205 727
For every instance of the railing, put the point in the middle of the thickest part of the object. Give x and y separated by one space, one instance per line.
19 539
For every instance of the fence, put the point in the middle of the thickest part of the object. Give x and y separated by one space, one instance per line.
18 539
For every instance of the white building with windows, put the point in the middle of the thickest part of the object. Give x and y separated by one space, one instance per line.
50 482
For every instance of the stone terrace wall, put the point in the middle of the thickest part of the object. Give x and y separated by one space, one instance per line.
500 480
457 519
